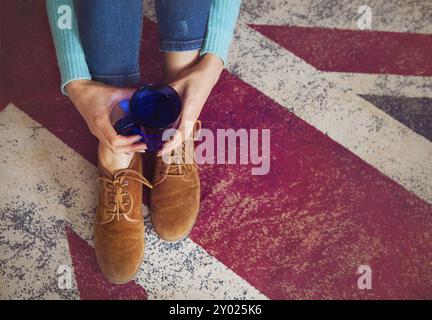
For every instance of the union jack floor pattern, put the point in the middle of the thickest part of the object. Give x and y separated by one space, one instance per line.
350 114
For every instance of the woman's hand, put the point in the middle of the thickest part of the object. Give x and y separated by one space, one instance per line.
194 86
93 100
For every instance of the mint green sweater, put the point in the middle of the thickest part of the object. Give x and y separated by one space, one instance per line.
70 52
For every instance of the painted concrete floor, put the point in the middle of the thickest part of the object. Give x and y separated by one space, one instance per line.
350 184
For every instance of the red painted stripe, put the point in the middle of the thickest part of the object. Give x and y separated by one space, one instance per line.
302 230
355 50
92 284
23 33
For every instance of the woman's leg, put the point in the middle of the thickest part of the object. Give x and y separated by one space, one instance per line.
111 36
175 202
182 26
110 31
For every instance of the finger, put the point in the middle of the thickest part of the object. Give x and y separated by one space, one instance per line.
114 139
185 129
139 147
105 142
166 149
172 144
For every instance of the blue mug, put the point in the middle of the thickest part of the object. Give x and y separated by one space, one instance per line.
150 111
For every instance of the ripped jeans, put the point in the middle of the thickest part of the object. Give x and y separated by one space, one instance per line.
111 32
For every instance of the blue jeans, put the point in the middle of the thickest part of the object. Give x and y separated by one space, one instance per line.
111 32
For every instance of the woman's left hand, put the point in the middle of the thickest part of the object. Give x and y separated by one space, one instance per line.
194 86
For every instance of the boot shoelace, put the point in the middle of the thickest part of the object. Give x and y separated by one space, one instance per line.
177 166
117 189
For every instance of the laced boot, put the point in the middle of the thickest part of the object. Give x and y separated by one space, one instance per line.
175 197
119 225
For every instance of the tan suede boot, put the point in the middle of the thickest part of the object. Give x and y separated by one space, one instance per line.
119 225
175 197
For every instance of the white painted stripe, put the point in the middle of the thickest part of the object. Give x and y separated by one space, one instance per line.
392 16
186 271
45 184
382 84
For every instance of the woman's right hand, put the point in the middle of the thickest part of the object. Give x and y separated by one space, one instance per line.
93 100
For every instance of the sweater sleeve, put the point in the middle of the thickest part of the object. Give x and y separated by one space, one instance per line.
69 49
220 27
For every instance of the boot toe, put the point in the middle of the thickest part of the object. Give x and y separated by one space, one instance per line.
120 266
174 224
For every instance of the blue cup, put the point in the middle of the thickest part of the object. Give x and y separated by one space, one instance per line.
150 111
